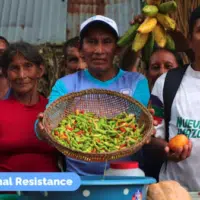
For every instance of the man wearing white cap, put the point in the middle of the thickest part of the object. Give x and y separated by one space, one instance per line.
98 36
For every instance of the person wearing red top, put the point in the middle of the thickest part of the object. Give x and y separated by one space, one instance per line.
20 150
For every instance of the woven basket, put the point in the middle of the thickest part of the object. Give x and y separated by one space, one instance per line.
102 103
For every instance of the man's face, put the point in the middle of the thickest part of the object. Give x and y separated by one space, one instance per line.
99 48
195 39
3 47
74 60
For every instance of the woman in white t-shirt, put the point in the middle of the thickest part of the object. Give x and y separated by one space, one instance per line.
161 61
182 165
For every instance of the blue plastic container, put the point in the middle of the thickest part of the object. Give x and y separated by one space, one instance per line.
100 188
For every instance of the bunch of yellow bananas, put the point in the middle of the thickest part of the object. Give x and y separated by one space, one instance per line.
153 29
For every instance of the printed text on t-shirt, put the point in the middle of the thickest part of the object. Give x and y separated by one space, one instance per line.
189 127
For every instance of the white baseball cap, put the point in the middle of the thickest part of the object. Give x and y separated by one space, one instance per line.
102 19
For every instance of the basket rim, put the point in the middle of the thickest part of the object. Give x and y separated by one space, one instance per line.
106 155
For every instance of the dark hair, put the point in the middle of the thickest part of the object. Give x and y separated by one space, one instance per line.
25 49
128 58
95 25
4 39
193 18
179 60
73 42
7 44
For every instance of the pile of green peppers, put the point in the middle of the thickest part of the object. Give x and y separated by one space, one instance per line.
86 132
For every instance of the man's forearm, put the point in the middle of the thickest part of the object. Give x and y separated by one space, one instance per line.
157 147
158 143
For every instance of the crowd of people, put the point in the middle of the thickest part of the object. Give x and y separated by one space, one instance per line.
89 64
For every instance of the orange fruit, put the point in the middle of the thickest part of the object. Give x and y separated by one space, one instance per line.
178 141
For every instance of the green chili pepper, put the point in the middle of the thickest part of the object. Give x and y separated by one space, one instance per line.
88 133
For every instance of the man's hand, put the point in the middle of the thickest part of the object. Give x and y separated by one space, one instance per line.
181 153
137 19
40 128
155 123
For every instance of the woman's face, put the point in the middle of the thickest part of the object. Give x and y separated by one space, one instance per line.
160 62
23 75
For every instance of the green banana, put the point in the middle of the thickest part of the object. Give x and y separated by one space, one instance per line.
170 43
148 48
167 7
150 10
128 35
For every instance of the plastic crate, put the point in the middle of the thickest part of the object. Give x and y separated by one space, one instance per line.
96 188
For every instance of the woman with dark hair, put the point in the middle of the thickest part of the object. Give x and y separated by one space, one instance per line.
160 61
20 150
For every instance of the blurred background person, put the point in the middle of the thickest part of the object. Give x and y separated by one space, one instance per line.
4 85
160 62
3 44
73 59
